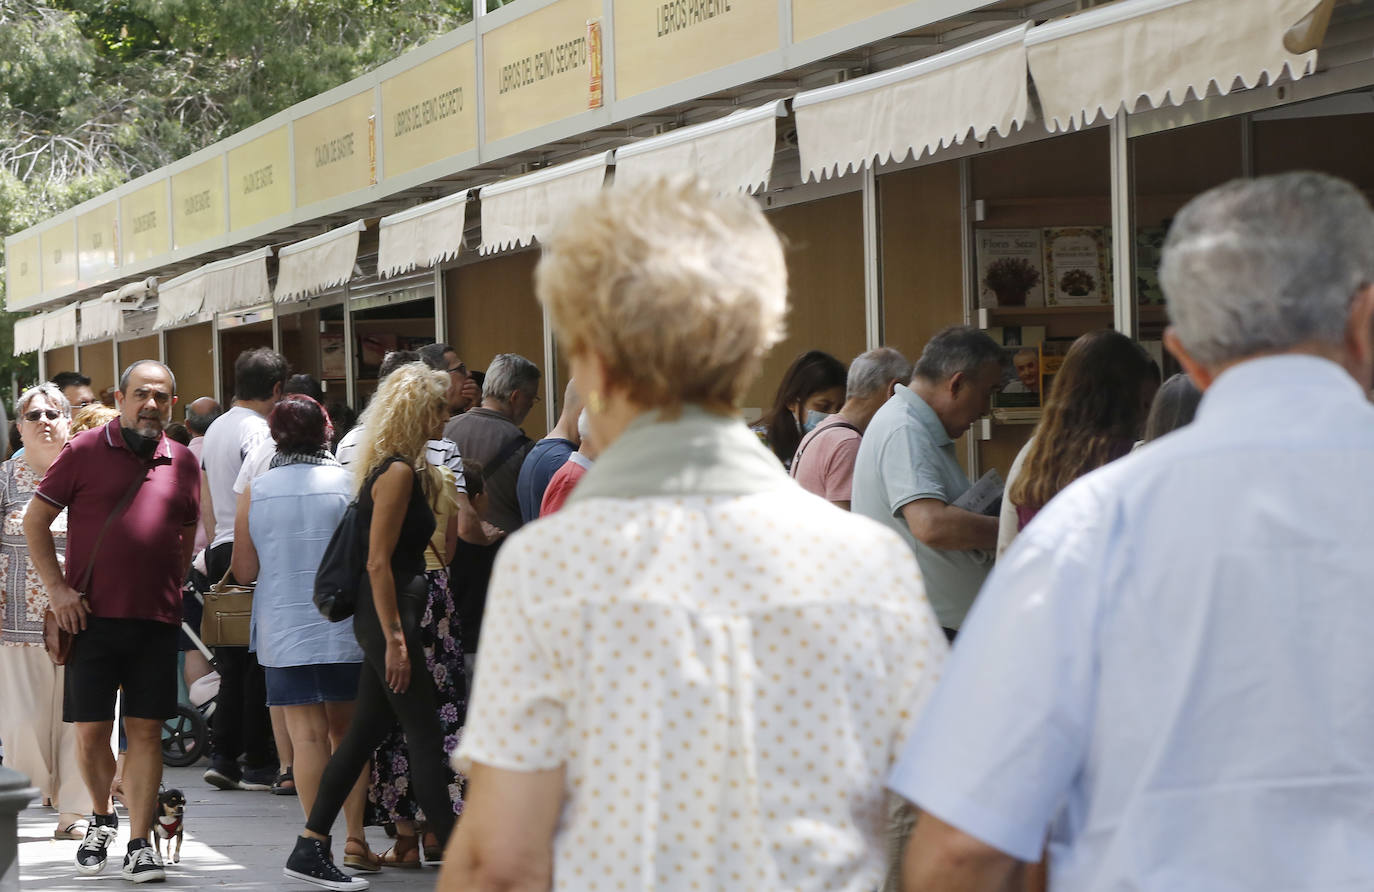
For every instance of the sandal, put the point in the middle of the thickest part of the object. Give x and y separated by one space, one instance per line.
405 854
70 829
365 861
285 785
434 853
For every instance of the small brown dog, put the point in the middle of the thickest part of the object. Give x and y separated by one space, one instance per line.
171 812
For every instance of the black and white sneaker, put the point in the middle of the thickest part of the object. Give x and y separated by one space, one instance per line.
142 865
310 863
90 855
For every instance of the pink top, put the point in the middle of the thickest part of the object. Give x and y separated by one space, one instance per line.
824 463
561 485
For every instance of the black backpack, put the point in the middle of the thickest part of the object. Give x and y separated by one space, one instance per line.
342 567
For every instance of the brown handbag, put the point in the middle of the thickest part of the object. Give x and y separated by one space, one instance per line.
56 640
228 614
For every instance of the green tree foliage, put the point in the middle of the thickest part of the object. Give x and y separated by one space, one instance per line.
95 93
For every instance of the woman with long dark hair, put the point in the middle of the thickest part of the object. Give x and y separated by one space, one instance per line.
811 389
1093 415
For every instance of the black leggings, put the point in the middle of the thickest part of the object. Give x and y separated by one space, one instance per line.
417 709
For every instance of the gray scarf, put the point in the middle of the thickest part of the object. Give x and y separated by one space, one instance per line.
697 453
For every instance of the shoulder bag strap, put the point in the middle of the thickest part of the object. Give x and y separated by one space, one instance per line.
800 452
119 509
504 455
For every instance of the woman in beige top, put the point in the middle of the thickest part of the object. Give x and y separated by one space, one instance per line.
674 688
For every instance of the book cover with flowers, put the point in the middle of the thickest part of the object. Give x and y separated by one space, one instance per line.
1076 267
1009 268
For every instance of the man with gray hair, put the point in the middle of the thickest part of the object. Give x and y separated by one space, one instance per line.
1170 671
907 474
491 436
824 463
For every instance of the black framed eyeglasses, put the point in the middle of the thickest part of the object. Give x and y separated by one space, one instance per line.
36 414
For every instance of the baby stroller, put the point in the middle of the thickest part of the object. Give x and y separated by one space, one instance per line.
186 736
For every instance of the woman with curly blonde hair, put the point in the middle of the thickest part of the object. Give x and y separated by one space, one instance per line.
393 484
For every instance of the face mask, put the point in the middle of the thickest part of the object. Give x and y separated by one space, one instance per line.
813 418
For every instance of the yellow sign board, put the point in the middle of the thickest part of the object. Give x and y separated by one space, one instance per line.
535 68
811 18
661 43
259 179
144 230
59 255
97 242
334 149
430 112
22 276
198 203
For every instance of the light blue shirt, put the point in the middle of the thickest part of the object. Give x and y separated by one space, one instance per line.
1175 660
291 517
906 455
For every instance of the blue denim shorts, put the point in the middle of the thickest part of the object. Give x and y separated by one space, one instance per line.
302 685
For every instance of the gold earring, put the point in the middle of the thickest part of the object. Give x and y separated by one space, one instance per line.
595 403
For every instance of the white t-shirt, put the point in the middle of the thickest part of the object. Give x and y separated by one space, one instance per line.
441 452
257 463
232 437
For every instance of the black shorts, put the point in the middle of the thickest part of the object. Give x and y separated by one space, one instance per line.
138 655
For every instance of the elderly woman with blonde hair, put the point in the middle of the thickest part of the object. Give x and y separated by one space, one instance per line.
395 484
674 690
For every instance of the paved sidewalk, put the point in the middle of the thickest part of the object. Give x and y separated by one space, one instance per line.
234 840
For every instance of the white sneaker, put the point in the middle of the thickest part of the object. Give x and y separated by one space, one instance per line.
90 855
144 866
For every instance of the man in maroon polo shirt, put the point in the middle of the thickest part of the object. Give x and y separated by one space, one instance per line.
126 621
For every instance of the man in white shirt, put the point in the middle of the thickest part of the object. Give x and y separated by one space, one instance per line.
240 723
1169 674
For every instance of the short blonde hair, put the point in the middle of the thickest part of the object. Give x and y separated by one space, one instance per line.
92 415
678 291
400 419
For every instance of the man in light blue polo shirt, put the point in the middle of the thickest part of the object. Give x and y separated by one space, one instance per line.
907 471
1168 676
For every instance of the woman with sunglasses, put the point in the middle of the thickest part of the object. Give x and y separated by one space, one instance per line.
37 742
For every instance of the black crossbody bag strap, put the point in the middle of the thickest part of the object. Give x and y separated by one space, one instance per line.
504 455
796 458
119 509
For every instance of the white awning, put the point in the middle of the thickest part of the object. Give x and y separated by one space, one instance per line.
28 334
59 327
1098 61
517 211
223 285
421 236
317 264
100 319
732 154
916 108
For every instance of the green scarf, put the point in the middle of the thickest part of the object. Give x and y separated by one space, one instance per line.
697 453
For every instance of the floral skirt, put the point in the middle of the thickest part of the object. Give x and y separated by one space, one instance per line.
389 796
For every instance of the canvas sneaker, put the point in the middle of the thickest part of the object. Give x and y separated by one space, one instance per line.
310 863
142 865
225 777
91 854
258 779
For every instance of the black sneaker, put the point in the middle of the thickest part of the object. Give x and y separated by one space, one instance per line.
142 864
258 779
100 833
310 863
225 776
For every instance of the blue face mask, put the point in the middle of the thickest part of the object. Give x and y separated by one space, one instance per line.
813 418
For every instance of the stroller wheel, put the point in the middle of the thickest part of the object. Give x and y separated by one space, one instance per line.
185 737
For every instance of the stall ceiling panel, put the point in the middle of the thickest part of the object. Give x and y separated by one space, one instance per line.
317 264
23 270
732 154
430 111
59 256
921 107
536 68
145 230
198 211
421 236
657 44
335 149
28 335
1099 61
97 249
260 179
516 212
